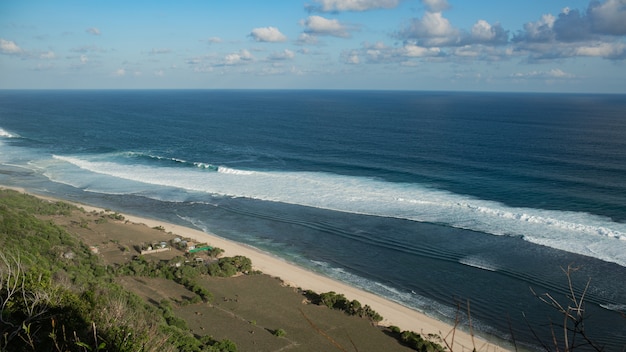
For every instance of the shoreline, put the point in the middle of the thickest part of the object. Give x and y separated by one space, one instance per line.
295 276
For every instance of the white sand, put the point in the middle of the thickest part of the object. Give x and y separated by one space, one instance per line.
394 313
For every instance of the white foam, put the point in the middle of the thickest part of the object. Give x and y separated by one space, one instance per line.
576 232
478 262
227 170
205 166
620 308
6 134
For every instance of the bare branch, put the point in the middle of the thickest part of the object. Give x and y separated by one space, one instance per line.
573 317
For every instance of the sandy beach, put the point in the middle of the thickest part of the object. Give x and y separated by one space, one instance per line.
393 313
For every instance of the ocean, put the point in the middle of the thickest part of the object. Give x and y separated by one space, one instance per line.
430 199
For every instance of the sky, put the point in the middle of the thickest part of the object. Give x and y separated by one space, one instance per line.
450 45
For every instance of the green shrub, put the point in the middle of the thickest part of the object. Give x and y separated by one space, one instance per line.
279 333
340 302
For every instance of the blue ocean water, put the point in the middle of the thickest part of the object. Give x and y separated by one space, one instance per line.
427 198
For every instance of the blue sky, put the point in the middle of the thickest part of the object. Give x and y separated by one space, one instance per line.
459 45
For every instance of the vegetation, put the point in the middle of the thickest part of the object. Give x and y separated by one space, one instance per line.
415 340
56 296
186 273
279 333
340 302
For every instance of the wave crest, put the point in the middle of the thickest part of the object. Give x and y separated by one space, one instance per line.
6 134
478 262
227 170
148 158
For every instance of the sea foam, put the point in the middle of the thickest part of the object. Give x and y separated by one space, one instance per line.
5 134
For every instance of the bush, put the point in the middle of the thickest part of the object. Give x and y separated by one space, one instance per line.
340 302
229 266
279 333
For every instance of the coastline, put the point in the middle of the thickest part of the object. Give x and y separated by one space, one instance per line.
295 276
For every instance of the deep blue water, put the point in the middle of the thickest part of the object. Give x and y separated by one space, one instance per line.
429 199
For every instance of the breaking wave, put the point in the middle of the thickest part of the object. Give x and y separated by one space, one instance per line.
6 134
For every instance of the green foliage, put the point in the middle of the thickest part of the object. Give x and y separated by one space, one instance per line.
279 333
32 205
186 342
340 302
215 252
416 341
229 266
116 216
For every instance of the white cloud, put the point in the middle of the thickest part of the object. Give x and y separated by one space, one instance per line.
481 52
44 67
608 17
307 39
355 5
318 25
268 34
215 40
572 25
87 48
160 51
604 50
203 69
433 24
9 47
379 53
596 32
539 31
432 30
84 59
120 72
48 55
558 73
554 73
238 58
351 57
483 31
93 30
412 50
282 55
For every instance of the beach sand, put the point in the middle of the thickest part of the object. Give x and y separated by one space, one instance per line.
393 313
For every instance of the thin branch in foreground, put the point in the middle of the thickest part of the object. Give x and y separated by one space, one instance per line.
573 327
